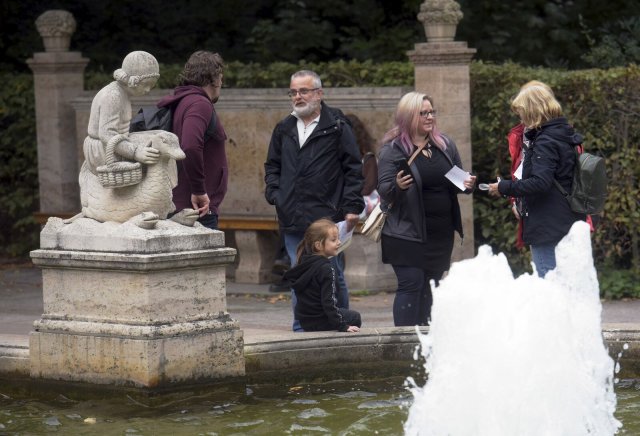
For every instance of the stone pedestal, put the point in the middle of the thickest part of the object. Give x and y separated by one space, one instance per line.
442 72
128 306
364 268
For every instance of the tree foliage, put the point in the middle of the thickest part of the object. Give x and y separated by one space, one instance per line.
557 33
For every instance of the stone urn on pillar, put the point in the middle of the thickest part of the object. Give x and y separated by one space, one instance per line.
440 19
56 28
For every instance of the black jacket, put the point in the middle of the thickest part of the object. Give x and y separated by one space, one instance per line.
314 282
547 216
323 179
405 219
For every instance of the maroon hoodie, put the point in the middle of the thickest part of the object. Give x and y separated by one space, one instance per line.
205 168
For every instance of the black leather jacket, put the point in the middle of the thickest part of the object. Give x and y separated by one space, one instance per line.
405 217
321 179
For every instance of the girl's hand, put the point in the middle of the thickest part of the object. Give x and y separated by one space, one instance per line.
403 181
146 155
353 329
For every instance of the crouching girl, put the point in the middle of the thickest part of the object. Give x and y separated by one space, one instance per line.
313 280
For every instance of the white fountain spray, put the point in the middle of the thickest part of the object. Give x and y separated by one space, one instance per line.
517 357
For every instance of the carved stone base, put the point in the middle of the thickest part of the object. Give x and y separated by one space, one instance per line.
149 312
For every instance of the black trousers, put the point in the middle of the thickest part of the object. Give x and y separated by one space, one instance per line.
413 301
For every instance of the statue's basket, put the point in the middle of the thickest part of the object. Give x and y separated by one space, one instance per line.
118 174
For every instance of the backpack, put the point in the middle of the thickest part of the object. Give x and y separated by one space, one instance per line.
152 118
161 118
589 185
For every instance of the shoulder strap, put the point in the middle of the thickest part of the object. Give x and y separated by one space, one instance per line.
415 153
578 151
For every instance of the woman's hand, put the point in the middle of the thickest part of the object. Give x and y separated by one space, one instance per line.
514 209
470 182
403 181
493 190
353 329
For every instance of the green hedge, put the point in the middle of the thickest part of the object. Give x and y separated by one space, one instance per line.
18 166
602 104
276 75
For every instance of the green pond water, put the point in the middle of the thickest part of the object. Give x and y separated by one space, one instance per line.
365 407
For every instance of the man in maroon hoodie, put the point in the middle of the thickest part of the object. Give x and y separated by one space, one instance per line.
202 176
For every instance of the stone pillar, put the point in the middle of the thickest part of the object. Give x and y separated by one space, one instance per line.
58 78
442 72
134 307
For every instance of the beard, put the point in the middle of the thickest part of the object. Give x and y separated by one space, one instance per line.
308 109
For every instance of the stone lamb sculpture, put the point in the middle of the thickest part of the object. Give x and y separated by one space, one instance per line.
128 176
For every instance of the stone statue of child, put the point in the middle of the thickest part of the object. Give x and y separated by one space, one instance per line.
111 112
149 200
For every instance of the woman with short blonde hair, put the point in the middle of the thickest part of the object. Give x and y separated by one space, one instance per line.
535 105
549 155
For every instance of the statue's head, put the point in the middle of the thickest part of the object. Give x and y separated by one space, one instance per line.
139 72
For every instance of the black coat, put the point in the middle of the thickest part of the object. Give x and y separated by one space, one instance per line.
547 216
314 282
323 179
405 219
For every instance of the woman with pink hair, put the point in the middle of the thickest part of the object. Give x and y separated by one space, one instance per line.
422 206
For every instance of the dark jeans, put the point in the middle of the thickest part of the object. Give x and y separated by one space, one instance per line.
351 317
412 304
210 221
544 258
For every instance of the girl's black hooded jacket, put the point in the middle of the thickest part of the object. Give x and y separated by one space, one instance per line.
313 280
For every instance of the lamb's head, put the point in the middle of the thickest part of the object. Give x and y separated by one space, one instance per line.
167 144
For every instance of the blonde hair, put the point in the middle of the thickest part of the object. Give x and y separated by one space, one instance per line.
407 120
318 231
535 104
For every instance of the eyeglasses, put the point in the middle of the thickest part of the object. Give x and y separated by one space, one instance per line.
302 91
427 113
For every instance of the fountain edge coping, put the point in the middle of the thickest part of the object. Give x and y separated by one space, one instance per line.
273 352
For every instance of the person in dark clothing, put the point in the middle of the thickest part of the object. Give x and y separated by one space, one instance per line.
422 206
202 176
313 169
314 282
369 164
549 154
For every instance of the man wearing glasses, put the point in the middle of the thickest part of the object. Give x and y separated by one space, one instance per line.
202 175
313 169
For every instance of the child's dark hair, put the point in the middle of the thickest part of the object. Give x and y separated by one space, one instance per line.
316 232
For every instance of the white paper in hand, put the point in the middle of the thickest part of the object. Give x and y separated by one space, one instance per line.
457 176
344 235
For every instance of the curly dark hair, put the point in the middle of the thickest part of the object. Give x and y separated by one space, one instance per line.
203 68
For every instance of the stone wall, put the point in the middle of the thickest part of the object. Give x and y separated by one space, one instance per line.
249 116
